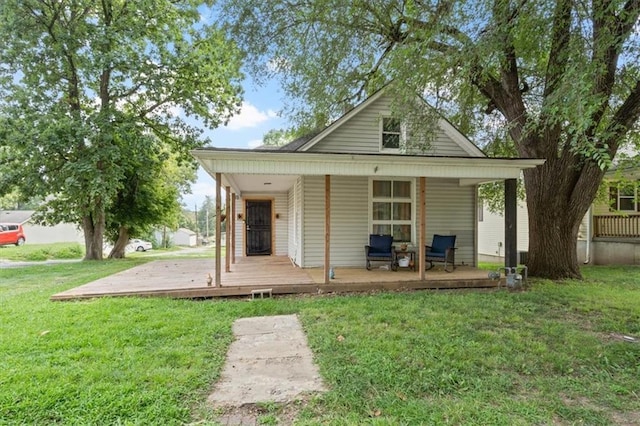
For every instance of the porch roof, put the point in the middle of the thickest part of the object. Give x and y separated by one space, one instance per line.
280 168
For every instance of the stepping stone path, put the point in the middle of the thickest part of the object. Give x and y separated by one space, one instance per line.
270 361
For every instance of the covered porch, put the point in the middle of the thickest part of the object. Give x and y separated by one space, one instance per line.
187 278
329 226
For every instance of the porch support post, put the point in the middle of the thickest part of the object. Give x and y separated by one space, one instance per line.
510 223
327 227
218 231
227 246
233 229
422 214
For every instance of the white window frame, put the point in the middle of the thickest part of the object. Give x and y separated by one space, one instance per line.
391 222
634 198
401 135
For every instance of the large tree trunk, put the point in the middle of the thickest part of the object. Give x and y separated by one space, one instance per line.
93 228
118 250
558 197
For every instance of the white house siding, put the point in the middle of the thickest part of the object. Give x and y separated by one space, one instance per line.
491 233
61 233
313 223
295 221
349 220
349 223
361 134
450 210
239 228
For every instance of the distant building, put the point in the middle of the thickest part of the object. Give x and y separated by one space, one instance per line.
180 237
39 234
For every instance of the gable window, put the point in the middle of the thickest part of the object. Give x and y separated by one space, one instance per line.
391 133
623 197
391 209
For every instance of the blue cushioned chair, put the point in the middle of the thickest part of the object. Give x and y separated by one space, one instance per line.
442 249
380 248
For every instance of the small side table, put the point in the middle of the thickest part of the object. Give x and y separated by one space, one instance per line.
410 253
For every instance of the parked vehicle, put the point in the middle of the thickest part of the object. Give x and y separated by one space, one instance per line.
139 245
11 233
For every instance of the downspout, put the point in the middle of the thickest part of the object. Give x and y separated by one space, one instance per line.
587 255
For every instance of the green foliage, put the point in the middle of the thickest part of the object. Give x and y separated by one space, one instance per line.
278 137
87 87
546 355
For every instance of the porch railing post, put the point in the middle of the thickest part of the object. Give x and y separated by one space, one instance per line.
510 223
327 228
227 234
233 228
218 231
422 250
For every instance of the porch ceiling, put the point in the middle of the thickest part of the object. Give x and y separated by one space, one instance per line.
259 183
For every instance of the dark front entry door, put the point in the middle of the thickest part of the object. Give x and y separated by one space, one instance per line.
258 227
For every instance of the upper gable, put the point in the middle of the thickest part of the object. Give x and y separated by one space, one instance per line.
360 133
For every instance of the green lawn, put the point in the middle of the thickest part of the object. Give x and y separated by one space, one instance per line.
549 355
37 252
56 251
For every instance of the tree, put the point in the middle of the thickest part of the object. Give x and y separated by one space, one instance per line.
278 137
150 196
79 79
561 75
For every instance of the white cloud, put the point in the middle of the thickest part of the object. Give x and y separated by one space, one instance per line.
255 143
250 116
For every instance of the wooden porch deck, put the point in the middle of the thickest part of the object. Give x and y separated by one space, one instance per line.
187 278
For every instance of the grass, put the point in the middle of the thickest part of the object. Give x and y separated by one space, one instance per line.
548 355
37 252
56 251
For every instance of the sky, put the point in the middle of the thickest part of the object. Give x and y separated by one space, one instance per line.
258 115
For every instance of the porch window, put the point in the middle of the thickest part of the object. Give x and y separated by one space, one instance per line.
391 133
623 197
391 209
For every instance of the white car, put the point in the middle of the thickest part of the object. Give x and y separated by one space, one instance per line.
139 245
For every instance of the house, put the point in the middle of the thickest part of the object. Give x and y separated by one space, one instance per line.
609 233
40 234
319 198
491 233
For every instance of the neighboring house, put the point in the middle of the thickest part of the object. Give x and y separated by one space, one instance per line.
491 233
611 230
356 178
608 234
39 234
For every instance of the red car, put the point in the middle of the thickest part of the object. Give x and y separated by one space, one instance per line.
11 233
